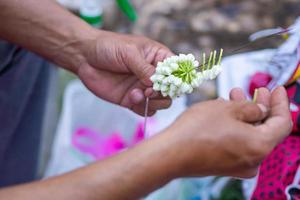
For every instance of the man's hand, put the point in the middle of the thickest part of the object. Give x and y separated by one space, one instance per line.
113 66
118 68
229 137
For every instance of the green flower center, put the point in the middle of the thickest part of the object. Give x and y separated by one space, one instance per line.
185 71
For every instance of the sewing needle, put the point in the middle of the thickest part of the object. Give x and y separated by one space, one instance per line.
146 115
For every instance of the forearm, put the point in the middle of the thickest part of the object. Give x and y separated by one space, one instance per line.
46 29
129 175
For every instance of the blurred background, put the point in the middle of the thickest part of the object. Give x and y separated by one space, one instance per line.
185 26
196 26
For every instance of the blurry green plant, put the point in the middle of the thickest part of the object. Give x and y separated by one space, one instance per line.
232 191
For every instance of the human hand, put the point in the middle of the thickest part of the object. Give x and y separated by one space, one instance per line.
117 68
223 138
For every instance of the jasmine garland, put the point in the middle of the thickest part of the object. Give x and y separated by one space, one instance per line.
179 75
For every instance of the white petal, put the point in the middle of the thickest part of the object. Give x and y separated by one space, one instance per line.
156 86
206 74
172 78
195 83
159 70
164 88
175 59
166 71
184 88
164 94
200 78
173 87
190 89
153 78
182 57
172 94
217 70
177 81
159 77
174 66
190 57
196 63
160 64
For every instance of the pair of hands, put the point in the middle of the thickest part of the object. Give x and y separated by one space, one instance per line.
216 137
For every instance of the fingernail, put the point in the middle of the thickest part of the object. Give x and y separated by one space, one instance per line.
263 108
282 88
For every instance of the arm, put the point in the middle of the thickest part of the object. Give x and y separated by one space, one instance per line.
129 175
115 67
45 28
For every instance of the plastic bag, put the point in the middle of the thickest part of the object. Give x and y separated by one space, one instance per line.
83 110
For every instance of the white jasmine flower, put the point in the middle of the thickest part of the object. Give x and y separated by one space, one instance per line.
190 57
217 69
182 57
177 81
196 63
185 87
174 66
156 86
195 83
173 88
164 88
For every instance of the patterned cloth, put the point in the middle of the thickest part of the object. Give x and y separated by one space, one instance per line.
278 170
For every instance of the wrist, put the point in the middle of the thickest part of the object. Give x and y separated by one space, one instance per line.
191 153
138 171
73 52
167 155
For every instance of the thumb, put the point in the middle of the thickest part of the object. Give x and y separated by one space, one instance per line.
142 69
251 112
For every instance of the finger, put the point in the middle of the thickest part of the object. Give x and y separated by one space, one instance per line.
263 97
237 94
221 99
279 123
245 173
149 92
136 96
154 105
159 104
140 110
162 54
142 69
251 112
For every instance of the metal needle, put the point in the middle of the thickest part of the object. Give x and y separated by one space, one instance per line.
146 115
